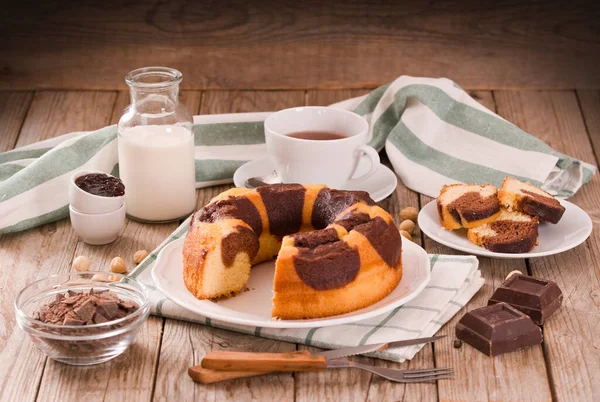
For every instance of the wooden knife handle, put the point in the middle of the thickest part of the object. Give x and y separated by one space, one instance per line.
263 362
208 376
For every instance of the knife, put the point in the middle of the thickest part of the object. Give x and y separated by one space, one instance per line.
223 365
376 347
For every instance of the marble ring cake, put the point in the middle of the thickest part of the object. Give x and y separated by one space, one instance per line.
336 250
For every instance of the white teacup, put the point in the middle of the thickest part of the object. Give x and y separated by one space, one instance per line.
332 162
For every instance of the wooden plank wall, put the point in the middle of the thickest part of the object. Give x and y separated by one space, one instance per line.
284 44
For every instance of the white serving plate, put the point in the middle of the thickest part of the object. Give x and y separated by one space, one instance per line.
253 307
573 229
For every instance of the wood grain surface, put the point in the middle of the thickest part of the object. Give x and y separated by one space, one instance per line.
565 368
572 350
13 107
54 113
590 107
59 44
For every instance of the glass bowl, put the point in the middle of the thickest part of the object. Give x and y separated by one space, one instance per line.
82 344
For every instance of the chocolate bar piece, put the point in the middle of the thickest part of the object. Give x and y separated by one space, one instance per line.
498 329
537 298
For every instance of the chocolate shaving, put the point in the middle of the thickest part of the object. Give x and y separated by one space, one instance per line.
78 321
86 311
99 319
70 300
127 305
92 307
69 320
107 308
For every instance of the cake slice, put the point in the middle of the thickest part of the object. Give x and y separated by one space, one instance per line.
524 197
512 232
467 205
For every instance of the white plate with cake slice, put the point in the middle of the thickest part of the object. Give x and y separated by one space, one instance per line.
253 307
574 228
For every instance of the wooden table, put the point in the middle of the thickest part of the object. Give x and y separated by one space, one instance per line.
565 367
61 69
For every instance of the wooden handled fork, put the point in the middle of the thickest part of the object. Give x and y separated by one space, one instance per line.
216 366
222 366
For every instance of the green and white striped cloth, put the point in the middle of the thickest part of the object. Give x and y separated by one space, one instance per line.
454 281
434 134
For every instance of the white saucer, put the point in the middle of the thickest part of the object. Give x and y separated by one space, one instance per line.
573 229
254 306
381 185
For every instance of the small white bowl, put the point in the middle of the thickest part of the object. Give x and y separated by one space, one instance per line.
87 203
97 229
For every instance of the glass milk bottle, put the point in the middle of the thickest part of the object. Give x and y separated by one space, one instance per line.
156 148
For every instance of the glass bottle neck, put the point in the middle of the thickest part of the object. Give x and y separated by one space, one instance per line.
169 94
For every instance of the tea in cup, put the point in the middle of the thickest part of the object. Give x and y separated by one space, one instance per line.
319 145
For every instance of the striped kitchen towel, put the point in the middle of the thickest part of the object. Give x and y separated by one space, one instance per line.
454 281
434 133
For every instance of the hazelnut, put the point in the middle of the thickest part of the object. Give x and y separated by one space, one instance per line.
117 265
81 264
99 278
511 273
114 278
407 225
409 213
406 234
139 256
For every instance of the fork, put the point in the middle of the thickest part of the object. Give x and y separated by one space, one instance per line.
406 376
208 376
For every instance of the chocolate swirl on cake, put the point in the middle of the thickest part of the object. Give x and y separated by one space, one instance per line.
330 203
327 266
316 238
473 207
508 231
385 238
242 240
353 219
232 207
546 208
284 204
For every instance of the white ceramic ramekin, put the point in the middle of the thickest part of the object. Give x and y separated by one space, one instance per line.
87 203
97 229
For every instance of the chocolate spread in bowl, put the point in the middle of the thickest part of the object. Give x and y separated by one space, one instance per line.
101 184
